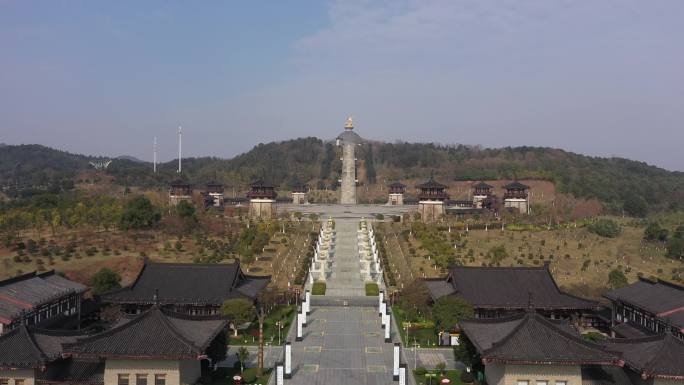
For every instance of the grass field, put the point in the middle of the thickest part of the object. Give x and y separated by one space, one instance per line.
80 254
579 260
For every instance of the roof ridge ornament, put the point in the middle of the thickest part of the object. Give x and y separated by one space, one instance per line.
530 303
350 124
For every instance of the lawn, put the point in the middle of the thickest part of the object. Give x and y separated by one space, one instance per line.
318 288
453 375
420 333
284 314
372 290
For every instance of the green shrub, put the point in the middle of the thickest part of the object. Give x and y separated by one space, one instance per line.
420 371
607 228
318 288
372 289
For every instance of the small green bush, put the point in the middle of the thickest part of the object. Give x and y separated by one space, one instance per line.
607 228
318 288
372 289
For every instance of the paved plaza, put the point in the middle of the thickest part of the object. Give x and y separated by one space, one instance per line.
342 345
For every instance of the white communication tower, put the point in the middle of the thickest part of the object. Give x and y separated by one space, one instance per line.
154 160
180 137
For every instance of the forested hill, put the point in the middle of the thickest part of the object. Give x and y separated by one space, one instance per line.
614 181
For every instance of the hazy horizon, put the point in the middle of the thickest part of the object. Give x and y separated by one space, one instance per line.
598 78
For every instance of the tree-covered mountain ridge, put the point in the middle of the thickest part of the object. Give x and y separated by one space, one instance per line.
617 182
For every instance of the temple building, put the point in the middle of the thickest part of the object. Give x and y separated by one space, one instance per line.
348 139
189 288
652 360
501 291
481 192
43 299
30 356
432 200
215 193
647 307
179 190
156 347
530 349
517 197
262 200
300 192
396 194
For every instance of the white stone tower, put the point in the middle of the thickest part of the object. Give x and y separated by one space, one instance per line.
348 140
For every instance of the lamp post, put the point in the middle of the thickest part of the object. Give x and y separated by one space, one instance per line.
260 364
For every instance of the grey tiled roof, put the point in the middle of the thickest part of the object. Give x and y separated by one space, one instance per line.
439 288
653 296
660 356
510 288
515 185
25 347
189 283
153 333
533 339
431 184
32 290
351 137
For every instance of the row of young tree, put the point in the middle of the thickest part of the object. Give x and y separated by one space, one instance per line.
55 212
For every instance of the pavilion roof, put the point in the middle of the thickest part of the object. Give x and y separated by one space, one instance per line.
507 288
396 185
259 183
431 184
662 298
483 185
28 291
660 356
530 338
188 283
152 334
180 183
25 347
515 185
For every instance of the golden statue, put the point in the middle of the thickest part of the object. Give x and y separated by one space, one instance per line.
349 124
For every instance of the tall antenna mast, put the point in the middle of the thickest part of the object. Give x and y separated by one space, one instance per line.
154 161
180 137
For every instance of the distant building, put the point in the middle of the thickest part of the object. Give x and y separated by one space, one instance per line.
432 200
529 349
300 193
502 291
517 197
481 192
647 307
396 193
43 299
215 193
188 288
179 190
262 200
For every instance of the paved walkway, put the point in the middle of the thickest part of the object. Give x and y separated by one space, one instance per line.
345 280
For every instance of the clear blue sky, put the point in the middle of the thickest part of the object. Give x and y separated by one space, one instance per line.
603 77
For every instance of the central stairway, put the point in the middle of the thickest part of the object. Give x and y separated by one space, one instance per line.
345 280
